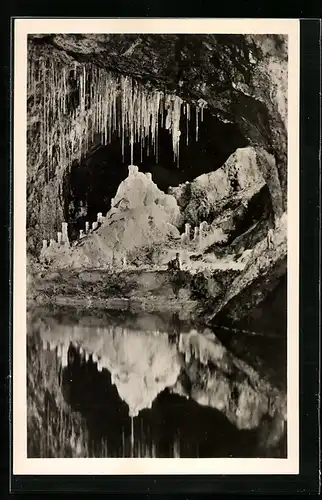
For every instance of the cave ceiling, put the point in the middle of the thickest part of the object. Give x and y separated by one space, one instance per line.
226 71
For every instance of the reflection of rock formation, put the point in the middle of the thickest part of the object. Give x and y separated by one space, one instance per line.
142 364
222 381
234 198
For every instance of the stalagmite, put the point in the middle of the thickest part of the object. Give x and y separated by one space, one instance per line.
133 169
64 228
44 244
99 217
196 233
183 238
94 225
81 233
202 228
270 238
86 227
59 237
52 243
187 231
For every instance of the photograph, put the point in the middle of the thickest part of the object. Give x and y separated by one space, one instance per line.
154 199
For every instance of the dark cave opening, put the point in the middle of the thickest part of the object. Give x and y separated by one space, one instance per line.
92 182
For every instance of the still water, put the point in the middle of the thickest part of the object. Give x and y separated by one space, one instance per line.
124 385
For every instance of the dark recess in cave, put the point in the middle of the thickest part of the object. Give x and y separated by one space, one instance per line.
269 320
94 181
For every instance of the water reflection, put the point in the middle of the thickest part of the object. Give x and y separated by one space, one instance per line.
146 392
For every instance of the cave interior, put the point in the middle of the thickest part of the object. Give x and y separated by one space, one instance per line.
92 182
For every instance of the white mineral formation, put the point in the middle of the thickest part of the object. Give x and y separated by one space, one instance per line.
187 231
142 216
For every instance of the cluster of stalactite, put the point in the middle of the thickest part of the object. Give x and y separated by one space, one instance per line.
80 105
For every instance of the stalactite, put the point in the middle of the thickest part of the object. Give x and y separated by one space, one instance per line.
188 119
104 105
197 123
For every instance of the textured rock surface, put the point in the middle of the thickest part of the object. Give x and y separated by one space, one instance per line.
225 70
206 197
259 278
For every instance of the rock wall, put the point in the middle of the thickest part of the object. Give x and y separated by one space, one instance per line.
259 278
240 200
205 197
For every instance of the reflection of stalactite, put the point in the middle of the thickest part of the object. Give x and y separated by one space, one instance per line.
105 105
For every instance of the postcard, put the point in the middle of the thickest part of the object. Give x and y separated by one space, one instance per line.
156 246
